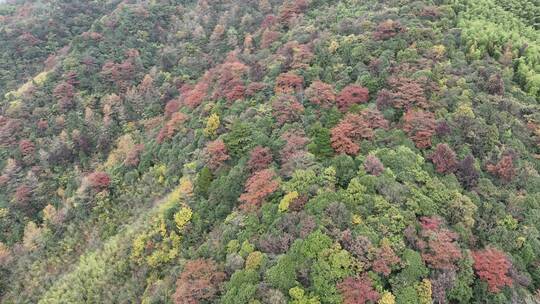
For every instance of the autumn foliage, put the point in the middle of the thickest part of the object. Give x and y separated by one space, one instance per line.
224 81
321 94
286 109
122 74
385 258
171 107
350 95
172 126
444 159
420 126
289 83
99 180
358 290
504 169
193 98
404 93
22 195
27 147
438 245
373 165
341 141
492 265
229 83
355 127
259 158
64 93
291 9
199 281
215 154
388 29
258 187
268 37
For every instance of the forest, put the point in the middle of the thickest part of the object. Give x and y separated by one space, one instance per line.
270 151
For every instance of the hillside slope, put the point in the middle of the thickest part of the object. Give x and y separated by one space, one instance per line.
270 151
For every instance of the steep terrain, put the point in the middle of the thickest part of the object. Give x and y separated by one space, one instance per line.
270 151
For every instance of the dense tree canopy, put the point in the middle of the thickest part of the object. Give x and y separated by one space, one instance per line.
270 151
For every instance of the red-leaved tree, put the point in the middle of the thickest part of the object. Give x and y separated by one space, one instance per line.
215 154
321 94
286 109
258 187
355 127
22 195
438 245
341 141
99 180
228 78
172 126
492 265
444 159
193 98
420 126
358 290
259 158
504 169
404 93
291 9
385 258
268 37
199 281
171 107
64 93
27 147
289 83
352 94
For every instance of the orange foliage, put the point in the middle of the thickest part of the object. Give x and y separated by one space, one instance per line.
420 126
438 245
358 290
172 126
289 83
492 265
385 259
258 187
195 97
352 94
99 180
444 158
286 109
405 93
321 94
215 154
259 158
504 169
341 141
199 281
27 147
356 127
